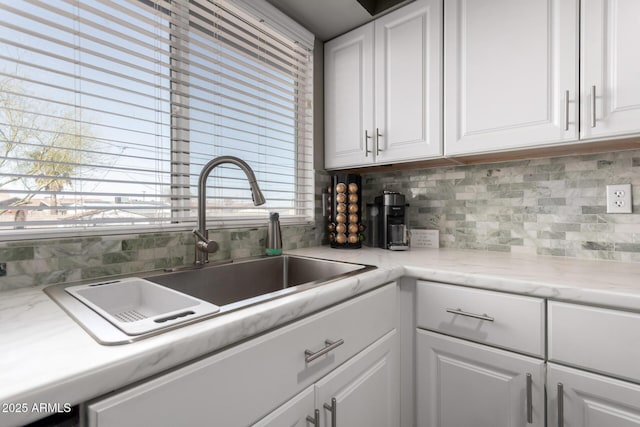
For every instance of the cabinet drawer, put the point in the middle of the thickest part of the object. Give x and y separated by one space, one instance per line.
597 339
238 386
504 320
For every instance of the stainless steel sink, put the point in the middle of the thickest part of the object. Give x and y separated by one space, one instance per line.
242 283
229 286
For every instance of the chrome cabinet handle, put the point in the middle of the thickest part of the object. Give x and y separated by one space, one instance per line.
529 399
378 135
315 420
310 356
593 106
467 314
566 110
333 408
367 137
560 405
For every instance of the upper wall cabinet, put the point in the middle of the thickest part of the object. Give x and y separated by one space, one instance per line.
610 68
348 99
511 74
383 89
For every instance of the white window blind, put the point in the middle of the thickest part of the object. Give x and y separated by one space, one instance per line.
109 110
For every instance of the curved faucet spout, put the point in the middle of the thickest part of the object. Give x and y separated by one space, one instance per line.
203 245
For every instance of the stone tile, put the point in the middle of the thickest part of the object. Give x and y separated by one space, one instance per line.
627 247
17 253
597 246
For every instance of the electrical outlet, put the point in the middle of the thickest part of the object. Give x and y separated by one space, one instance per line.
3 268
619 198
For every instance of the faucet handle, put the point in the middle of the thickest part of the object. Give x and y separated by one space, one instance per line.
209 246
203 244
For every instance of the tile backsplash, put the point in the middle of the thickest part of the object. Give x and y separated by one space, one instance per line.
548 206
48 261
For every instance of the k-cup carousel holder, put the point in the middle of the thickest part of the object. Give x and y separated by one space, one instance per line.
345 227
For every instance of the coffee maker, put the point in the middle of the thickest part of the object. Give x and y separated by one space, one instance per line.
392 221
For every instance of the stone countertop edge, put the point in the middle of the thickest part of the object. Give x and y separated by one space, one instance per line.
46 357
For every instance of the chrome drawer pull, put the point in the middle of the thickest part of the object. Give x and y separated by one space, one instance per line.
366 143
333 408
566 110
315 420
560 405
310 356
378 135
475 316
529 399
593 106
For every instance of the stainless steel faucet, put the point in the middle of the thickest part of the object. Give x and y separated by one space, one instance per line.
204 246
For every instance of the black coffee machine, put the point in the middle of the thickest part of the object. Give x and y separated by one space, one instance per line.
392 221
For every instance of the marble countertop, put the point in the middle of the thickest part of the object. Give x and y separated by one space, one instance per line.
612 284
46 357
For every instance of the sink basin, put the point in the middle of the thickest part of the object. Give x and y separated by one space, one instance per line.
247 282
169 300
137 306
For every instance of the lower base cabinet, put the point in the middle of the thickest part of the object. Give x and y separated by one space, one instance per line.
362 392
581 399
590 367
464 384
347 352
341 368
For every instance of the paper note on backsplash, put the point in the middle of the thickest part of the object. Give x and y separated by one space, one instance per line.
425 238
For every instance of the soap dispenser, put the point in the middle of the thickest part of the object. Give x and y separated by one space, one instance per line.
274 235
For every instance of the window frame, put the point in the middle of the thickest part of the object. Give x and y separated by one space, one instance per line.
276 20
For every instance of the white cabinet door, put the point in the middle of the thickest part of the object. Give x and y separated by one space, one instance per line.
589 400
348 102
610 68
511 76
463 384
383 97
408 83
294 413
364 391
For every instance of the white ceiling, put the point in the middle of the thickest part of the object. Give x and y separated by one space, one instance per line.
325 18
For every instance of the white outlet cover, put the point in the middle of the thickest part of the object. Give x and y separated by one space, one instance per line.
619 198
